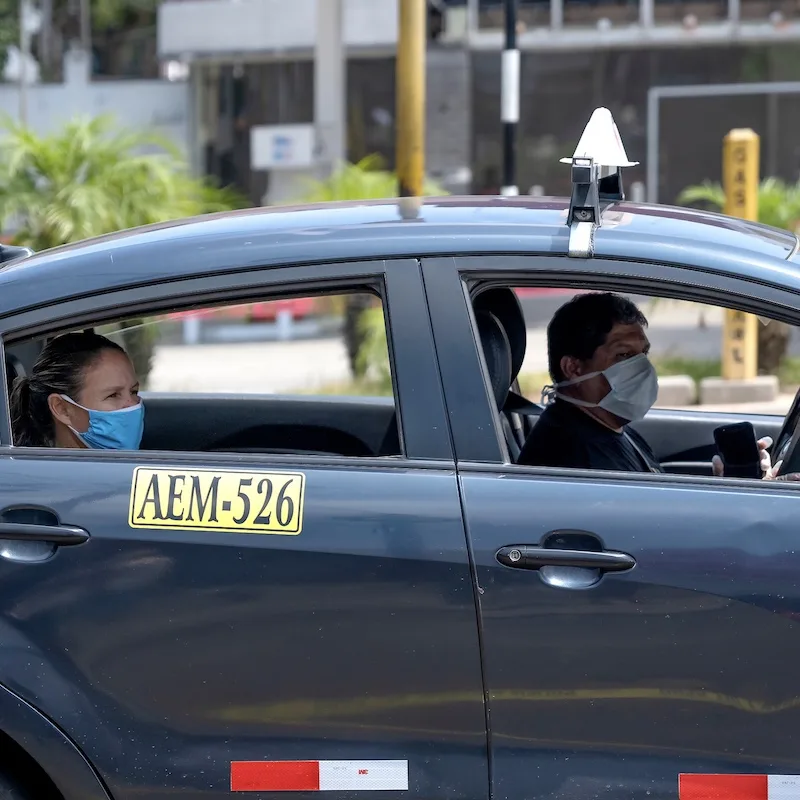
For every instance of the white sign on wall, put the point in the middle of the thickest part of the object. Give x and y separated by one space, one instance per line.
281 146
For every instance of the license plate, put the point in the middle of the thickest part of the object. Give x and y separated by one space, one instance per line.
217 500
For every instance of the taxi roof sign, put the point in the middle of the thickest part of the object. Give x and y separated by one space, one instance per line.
601 142
596 179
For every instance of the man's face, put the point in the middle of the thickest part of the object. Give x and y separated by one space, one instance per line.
623 342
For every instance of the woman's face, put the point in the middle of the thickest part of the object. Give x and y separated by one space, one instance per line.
109 384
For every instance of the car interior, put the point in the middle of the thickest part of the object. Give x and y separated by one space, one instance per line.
683 441
368 427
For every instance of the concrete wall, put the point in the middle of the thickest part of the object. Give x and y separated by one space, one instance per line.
189 28
159 105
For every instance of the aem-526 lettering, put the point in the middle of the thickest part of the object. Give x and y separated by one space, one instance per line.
218 500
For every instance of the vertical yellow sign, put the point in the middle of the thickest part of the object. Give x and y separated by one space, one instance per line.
740 171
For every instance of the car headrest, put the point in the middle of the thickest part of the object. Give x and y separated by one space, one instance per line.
505 305
496 353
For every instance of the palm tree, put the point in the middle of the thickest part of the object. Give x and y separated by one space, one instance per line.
367 179
91 178
779 206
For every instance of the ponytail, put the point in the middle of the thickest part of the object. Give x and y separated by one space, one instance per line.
31 421
58 370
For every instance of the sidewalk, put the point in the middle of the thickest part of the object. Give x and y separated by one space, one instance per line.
780 406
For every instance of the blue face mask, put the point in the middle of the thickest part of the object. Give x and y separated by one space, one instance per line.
112 430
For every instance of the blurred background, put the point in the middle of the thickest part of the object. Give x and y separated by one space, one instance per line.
208 72
192 106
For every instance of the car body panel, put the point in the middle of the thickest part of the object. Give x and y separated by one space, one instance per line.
613 689
388 629
682 659
183 650
60 759
166 655
385 229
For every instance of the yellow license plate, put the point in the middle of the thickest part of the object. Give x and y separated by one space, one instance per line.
217 500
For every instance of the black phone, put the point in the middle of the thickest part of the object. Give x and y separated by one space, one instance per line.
737 445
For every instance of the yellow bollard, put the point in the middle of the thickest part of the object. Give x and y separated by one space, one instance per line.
740 171
410 130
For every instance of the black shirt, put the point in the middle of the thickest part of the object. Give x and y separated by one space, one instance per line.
565 436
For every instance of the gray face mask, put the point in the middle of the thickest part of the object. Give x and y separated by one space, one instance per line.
634 388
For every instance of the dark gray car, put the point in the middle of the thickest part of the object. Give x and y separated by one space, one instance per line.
389 644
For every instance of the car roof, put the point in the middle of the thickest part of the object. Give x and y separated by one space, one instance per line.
363 230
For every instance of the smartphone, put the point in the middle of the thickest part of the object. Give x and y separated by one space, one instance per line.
738 448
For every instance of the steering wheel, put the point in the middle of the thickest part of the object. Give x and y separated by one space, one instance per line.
787 438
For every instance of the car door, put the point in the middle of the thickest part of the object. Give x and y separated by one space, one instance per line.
190 661
635 626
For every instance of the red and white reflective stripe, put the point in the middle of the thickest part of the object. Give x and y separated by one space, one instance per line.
319 776
739 787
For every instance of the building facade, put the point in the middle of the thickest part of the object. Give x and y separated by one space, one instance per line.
252 64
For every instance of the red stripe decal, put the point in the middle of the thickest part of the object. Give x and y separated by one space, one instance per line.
722 787
275 776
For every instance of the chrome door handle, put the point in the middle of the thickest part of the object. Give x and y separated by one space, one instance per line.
525 556
62 535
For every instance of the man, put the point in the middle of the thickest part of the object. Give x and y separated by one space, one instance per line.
602 380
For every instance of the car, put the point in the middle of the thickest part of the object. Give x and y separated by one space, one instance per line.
290 594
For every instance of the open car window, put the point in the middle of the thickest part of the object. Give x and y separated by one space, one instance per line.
284 375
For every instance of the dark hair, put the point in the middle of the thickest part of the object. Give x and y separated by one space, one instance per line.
581 325
59 369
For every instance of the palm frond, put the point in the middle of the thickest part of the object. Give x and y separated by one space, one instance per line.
92 178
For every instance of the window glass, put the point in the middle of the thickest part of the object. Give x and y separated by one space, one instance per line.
686 347
608 399
306 374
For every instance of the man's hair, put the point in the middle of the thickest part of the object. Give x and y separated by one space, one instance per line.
581 325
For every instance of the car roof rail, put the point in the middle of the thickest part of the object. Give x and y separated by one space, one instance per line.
596 178
10 252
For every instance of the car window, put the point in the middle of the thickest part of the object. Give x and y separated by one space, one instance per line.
684 343
686 351
303 374
298 345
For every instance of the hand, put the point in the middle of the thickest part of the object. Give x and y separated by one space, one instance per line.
770 472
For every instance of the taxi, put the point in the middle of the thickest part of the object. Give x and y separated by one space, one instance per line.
282 594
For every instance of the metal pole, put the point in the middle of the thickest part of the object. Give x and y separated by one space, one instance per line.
411 45
653 122
86 31
330 87
23 64
509 100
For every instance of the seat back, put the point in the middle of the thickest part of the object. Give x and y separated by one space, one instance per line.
517 415
497 355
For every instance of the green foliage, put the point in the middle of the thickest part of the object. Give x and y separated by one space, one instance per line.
778 206
9 27
114 13
778 201
696 368
89 179
365 180
373 355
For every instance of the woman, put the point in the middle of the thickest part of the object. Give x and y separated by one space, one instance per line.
82 392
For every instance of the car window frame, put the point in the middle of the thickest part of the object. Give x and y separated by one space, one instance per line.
479 442
423 432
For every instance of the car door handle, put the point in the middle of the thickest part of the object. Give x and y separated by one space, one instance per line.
523 556
62 535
